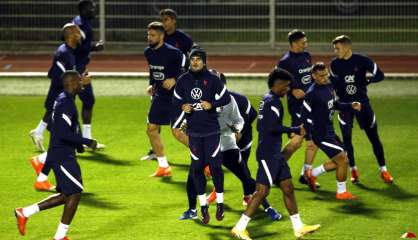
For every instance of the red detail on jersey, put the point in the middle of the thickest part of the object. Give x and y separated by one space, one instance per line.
355 69
177 45
205 82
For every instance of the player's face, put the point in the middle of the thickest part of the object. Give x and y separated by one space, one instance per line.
321 77
300 45
76 35
281 88
341 50
154 37
169 23
196 64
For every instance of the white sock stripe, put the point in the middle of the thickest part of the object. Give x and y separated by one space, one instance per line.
216 151
246 147
178 120
240 158
71 177
309 120
66 118
217 97
374 121
194 156
306 105
332 146
266 169
247 111
274 109
340 120
61 66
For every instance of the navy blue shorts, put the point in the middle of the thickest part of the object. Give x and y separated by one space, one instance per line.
68 176
163 112
272 170
87 97
365 118
330 145
205 150
50 98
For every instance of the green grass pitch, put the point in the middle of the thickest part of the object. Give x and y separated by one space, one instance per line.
122 202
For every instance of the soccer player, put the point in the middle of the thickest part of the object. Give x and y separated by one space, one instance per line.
64 60
297 61
231 124
165 64
84 21
348 75
199 93
65 139
318 109
176 38
273 168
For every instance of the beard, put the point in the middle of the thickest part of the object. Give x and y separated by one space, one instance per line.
152 45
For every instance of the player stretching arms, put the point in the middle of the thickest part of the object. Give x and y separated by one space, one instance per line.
348 75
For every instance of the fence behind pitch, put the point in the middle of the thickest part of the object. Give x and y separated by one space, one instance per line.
386 25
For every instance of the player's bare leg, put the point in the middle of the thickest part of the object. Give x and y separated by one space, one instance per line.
153 133
310 154
180 136
292 146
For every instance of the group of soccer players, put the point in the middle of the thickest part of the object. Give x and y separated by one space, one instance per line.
211 123
214 123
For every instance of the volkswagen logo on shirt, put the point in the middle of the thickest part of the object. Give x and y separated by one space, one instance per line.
351 89
196 93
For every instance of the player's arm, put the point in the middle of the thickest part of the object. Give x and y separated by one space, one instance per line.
237 119
179 97
343 106
306 112
250 112
275 121
175 70
63 123
377 74
222 96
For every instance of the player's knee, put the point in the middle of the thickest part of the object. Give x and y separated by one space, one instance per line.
263 191
310 146
152 130
177 133
342 159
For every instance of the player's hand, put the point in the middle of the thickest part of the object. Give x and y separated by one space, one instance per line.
302 130
298 93
150 90
238 136
206 105
86 78
187 108
356 106
169 83
99 46
93 145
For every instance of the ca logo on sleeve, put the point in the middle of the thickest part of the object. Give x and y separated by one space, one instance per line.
196 93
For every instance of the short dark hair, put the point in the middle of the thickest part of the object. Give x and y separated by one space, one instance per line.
168 12
319 66
343 39
295 35
279 74
157 26
69 74
83 3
